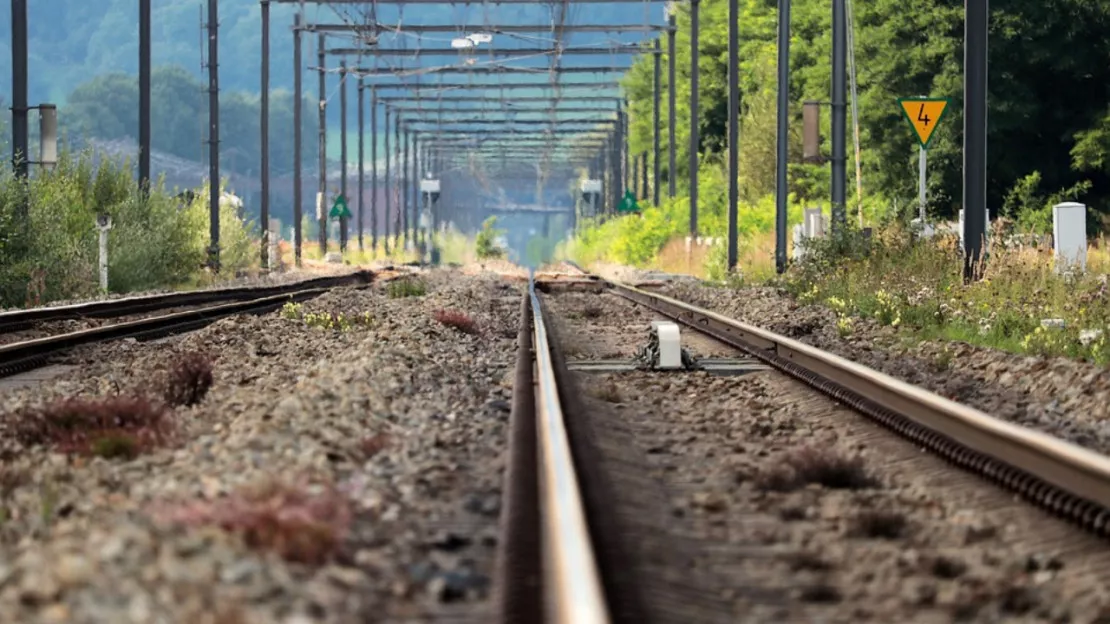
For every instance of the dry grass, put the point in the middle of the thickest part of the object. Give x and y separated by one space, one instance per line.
372 445
880 525
116 427
189 380
456 320
607 391
824 467
298 521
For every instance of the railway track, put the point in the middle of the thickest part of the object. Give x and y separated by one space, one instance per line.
572 554
16 357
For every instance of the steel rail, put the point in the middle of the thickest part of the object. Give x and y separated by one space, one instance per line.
18 319
28 354
577 594
1064 478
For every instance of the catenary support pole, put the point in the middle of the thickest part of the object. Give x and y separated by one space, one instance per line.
733 127
783 119
976 22
374 170
214 137
144 97
264 135
657 76
694 140
20 125
406 184
343 152
388 184
399 179
322 140
298 122
839 115
361 157
672 141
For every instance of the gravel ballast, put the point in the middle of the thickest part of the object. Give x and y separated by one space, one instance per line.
805 511
386 435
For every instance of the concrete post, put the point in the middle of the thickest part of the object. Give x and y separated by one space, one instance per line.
1069 234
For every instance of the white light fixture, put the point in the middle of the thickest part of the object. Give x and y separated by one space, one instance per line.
462 43
480 37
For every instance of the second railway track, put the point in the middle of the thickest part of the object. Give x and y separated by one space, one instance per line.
202 308
753 497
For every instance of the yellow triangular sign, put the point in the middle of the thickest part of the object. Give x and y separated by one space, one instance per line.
923 114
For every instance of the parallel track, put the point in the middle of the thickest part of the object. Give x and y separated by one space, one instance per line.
20 356
547 559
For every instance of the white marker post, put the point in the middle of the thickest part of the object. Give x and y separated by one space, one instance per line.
103 224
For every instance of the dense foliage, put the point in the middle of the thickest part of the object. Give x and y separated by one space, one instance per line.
50 252
1048 97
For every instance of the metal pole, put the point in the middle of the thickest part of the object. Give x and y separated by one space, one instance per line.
399 178
298 158
388 189
839 114
922 156
144 96
373 170
361 155
644 175
264 133
20 125
406 183
657 87
214 136
322 140
976 22
733 128
783 124
343 152
414 184
694 142
626 159
672 162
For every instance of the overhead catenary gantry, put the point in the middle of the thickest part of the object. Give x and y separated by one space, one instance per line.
425 111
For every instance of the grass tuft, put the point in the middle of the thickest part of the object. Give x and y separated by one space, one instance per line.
299 522
456 320
85 426
401 288
189 380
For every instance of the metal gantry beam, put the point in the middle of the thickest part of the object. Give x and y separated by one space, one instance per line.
509 111
514 103
462 29
457 1
620 48
491 70
442 87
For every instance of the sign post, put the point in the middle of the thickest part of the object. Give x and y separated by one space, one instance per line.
924 114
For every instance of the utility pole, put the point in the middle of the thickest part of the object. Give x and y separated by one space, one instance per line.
733 128
406 183
644 175
399 178
657 77
343 151
264 133
780 148
374 170
626 159
976 22
388 190
213 136
672 162
414 190
21 154
694 141
839 114
298 195
361 155
322 139
144 97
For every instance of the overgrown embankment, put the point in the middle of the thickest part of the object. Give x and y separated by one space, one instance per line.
50 252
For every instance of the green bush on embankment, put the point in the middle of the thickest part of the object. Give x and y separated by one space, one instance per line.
52 252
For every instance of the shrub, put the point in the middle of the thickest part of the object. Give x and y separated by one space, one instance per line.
189 380
114 427
401 288
299 521
456 320
485 244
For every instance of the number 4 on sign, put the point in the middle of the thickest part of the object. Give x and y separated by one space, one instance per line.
923 114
